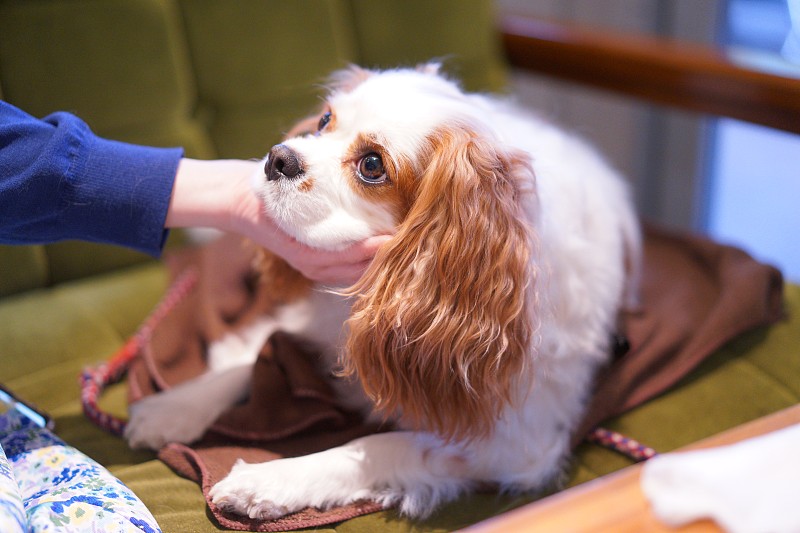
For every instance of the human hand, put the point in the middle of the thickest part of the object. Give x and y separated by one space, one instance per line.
218 194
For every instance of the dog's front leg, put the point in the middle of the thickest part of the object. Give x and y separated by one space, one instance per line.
184 413
413 470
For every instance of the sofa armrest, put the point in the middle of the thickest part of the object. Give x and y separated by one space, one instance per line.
689 76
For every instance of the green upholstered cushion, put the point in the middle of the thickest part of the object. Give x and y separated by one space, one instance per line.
400 33
70 260
47 331
259 66
121 66
22 268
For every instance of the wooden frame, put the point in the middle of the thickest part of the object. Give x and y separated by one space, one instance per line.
692 77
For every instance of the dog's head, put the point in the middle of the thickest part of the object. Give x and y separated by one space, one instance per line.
442 319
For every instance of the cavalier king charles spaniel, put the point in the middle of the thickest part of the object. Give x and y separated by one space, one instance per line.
477 329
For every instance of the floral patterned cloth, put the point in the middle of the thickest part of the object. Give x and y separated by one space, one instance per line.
12 512
46 485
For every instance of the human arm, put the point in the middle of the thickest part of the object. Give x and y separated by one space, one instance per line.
58 180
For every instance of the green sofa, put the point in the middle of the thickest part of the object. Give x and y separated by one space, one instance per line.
224 79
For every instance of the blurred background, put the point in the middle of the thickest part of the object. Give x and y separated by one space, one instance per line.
224 79
735 181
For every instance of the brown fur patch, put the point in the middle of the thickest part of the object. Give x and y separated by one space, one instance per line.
279 283
303 127
310 125
307 185
347 79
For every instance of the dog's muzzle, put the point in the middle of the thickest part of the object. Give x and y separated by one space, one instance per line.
282 162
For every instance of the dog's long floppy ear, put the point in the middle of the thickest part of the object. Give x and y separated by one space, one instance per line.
441 325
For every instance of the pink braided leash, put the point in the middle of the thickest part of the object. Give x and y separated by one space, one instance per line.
630 448
94 380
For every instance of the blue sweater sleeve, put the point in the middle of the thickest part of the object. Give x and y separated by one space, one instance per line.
58 180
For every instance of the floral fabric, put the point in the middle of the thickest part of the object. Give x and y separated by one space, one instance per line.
12 513
46 485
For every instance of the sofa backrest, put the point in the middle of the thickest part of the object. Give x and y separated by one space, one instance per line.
220 78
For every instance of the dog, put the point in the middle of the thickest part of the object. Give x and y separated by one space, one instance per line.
478 328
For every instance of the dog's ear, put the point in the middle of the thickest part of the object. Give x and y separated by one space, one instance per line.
343 80
442 321
432 68
347 79
305 126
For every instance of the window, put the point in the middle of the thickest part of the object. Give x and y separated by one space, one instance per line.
753 195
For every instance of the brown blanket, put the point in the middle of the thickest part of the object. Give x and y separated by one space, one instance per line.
696 295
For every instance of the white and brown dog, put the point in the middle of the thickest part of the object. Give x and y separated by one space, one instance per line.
478 327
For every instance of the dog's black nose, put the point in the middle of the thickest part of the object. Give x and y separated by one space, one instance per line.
282 162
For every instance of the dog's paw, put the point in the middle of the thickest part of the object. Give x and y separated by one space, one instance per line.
262 491
166 417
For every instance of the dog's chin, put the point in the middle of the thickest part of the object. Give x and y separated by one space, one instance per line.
323 242
332 231
324 234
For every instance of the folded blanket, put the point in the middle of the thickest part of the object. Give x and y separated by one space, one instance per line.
696 295
290 412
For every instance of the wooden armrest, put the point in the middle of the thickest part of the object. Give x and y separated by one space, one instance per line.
615 502
692 77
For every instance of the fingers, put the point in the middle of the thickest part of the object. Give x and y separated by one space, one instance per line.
336 268
340 275
344 267
364 250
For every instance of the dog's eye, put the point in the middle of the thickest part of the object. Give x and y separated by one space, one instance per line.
370 168
323 121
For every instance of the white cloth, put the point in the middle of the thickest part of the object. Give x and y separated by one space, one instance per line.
749 487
